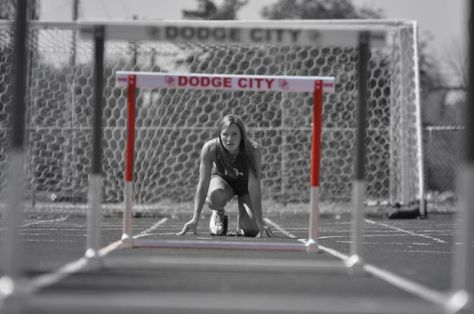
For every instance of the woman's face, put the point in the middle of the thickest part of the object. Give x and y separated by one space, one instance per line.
231 138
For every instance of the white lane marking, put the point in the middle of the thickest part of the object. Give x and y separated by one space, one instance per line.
279 228
49 240
387 243
405 231
70 268
44 221
424 252
147 231
334 253
333 237
412 287
75 266
436 297
52 278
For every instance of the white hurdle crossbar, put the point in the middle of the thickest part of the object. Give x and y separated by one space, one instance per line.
222 245
313 84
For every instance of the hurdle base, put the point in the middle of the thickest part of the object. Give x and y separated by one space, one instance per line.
93 258
355 265
13 294
127 241
11 287
312 246
458 301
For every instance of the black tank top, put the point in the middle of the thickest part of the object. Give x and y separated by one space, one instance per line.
238 170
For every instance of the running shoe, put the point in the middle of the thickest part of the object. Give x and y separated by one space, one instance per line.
218 223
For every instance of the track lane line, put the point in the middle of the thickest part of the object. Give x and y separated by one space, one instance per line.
279 228
54 277
146 232
436 297
81 263
44 221
405 231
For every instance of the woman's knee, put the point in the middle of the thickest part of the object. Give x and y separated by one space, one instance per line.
247 221
249 232
217 198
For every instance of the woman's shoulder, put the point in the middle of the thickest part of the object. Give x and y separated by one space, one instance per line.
211 144
209 147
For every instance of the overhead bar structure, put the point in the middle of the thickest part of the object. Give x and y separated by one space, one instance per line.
132 80
257 32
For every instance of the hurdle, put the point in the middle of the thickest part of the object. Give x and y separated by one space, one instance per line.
310 84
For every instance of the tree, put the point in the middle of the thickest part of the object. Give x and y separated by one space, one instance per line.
7 9
430 76
459 65
229 8
208 10
318 9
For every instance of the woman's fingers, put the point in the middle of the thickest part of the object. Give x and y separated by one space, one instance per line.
188 226
184 230
269 232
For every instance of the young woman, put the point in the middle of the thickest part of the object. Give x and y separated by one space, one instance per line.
230 165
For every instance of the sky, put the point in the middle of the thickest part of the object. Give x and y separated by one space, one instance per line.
442 22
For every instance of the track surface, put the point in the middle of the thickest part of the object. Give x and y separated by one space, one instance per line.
215 280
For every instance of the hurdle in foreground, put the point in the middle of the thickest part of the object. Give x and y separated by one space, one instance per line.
12 277
313 84
462 283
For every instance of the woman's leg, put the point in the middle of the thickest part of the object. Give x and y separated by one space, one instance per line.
220 192
247 221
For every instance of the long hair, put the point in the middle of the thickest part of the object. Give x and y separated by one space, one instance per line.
245 147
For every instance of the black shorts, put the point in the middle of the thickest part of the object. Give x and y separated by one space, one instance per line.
240 187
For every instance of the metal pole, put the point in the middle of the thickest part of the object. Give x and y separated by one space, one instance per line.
127 239
75 15
419 130
11 253
463 260
95 176
312 244
359 185
134 48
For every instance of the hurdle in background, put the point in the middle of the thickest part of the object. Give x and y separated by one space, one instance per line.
12 283
316 85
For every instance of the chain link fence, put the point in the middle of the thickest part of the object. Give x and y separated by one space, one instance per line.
443 151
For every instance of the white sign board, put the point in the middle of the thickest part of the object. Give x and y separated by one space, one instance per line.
250 33
263 83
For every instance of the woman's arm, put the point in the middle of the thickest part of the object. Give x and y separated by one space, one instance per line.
254 186
255 193
205 167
